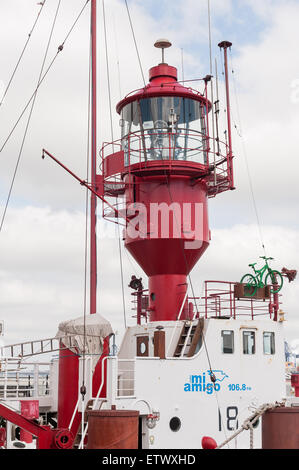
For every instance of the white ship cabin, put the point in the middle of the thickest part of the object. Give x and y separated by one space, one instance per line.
203 376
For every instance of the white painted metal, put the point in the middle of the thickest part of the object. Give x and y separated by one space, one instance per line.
180 387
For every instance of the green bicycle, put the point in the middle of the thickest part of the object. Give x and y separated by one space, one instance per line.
272 278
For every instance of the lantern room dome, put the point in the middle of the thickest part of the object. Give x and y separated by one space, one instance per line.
163 82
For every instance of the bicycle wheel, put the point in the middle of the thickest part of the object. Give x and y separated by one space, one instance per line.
250 285
274 278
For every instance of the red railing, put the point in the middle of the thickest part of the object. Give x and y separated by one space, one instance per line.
219 300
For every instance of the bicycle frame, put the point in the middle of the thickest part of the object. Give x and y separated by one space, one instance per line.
259 273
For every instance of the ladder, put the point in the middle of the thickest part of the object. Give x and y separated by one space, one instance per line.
39 346
189 338
78 444
78 437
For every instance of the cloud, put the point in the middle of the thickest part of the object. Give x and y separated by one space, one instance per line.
42 270
42 244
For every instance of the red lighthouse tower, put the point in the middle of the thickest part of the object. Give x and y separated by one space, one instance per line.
164 170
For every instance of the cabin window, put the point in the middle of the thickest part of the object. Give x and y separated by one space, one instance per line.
248 342
227 343
269 342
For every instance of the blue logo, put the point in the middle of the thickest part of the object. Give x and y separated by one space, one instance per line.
202 382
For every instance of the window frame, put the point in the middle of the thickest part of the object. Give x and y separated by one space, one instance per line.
252 332
233 341
272 343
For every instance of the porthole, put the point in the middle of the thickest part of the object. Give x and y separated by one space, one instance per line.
175 424
153 296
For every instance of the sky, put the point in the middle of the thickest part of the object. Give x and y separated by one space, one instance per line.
42 242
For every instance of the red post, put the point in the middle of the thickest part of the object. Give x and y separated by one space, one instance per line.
139 306
93 198
295 383
29 410
225 45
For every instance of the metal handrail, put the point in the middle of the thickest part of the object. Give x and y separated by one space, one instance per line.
95 402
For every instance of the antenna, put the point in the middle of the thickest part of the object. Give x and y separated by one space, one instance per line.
162 44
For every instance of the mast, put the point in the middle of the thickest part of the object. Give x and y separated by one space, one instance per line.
225 45
93 198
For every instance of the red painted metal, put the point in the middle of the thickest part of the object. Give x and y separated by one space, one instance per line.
44 434
163 82
30 410
168 259
295 383
68 388
99 180
220 300
62 439
2 437
93 198
114 164
100 370
208 443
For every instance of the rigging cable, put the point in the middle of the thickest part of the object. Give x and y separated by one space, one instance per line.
111 129
117 60
135 42
22 53
247 164
60 48
29 118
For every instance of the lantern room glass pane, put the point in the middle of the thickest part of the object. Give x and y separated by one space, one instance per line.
164 128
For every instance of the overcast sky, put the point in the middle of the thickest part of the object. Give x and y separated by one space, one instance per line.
42 240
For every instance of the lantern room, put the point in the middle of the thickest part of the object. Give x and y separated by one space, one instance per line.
162 171
164 121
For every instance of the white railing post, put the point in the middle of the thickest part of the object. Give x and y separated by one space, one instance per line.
5 380
35 381
112 368
81 445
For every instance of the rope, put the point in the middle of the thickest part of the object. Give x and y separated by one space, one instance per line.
249 422
29 119
22 53
117 60
132 29
60 48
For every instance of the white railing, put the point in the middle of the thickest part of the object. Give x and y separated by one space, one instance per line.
21 380
125 378
119 372
94 405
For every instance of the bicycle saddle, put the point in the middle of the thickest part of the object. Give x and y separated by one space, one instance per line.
252 265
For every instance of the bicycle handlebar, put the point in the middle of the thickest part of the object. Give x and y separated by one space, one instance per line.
265 258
